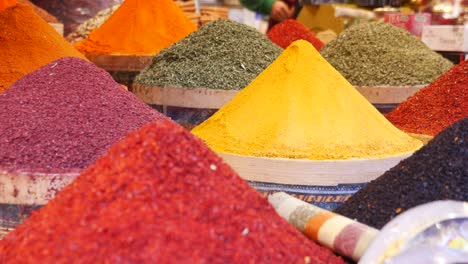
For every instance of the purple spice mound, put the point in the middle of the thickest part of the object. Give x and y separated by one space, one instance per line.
64 116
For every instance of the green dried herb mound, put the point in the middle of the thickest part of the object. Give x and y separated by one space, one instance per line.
220 55
377 54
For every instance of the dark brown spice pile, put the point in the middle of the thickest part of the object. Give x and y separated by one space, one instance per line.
64 116
438 171
159 196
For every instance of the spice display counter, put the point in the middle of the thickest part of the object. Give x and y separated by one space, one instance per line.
386 98
123 68
21 192
325 183
188 107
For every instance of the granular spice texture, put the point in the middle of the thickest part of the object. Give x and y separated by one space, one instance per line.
432 109
378 54
300 107
27 42
64 116
159 196
139 27
290 30
41 12
221 55
438 171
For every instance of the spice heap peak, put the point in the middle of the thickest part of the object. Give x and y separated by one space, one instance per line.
139 27
64 116
290 30
222 54
27 42
160 196
380 54
301 107
432 109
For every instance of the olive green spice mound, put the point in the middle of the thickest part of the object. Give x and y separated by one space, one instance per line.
221 55
378 54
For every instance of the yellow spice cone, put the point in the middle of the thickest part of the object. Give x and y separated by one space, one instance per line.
301 107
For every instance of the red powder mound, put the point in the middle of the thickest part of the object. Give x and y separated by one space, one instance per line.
290 30
437 106
159 196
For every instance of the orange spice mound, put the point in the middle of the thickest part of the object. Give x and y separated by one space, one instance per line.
6 3
141 27
27 43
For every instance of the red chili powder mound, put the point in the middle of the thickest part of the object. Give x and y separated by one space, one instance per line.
27 42
159 196
290 30
437 106
64 116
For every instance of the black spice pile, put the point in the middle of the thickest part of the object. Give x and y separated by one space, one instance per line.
438 171
64 116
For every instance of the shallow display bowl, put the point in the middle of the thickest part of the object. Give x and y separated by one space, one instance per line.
22 192
324 183
188 107
386 98
123 68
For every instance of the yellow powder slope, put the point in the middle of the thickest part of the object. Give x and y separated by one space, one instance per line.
301 107
27 42
141 27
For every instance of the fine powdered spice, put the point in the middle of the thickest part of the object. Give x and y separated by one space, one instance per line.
379 54
301 107
27 42
432 109
438 171
89 25
64 116
139 27
41 12
221 55
290 30
159 196
6 3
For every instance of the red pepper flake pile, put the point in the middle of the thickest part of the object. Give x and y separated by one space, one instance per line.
159 196
290 30
436 107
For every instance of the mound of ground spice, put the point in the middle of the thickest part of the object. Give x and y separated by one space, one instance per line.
6 3
64 116
160 196
222 54
300 107
438 171
27 43
139 27
290 30
432 109
41 12
378 54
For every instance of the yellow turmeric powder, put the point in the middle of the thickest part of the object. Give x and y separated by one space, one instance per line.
141 27
300 107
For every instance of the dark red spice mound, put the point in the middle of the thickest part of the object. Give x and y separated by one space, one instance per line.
290 30
64 116
159 196
437 106
438 171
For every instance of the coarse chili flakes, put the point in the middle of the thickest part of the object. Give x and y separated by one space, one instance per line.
432 109
290 30
160 195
